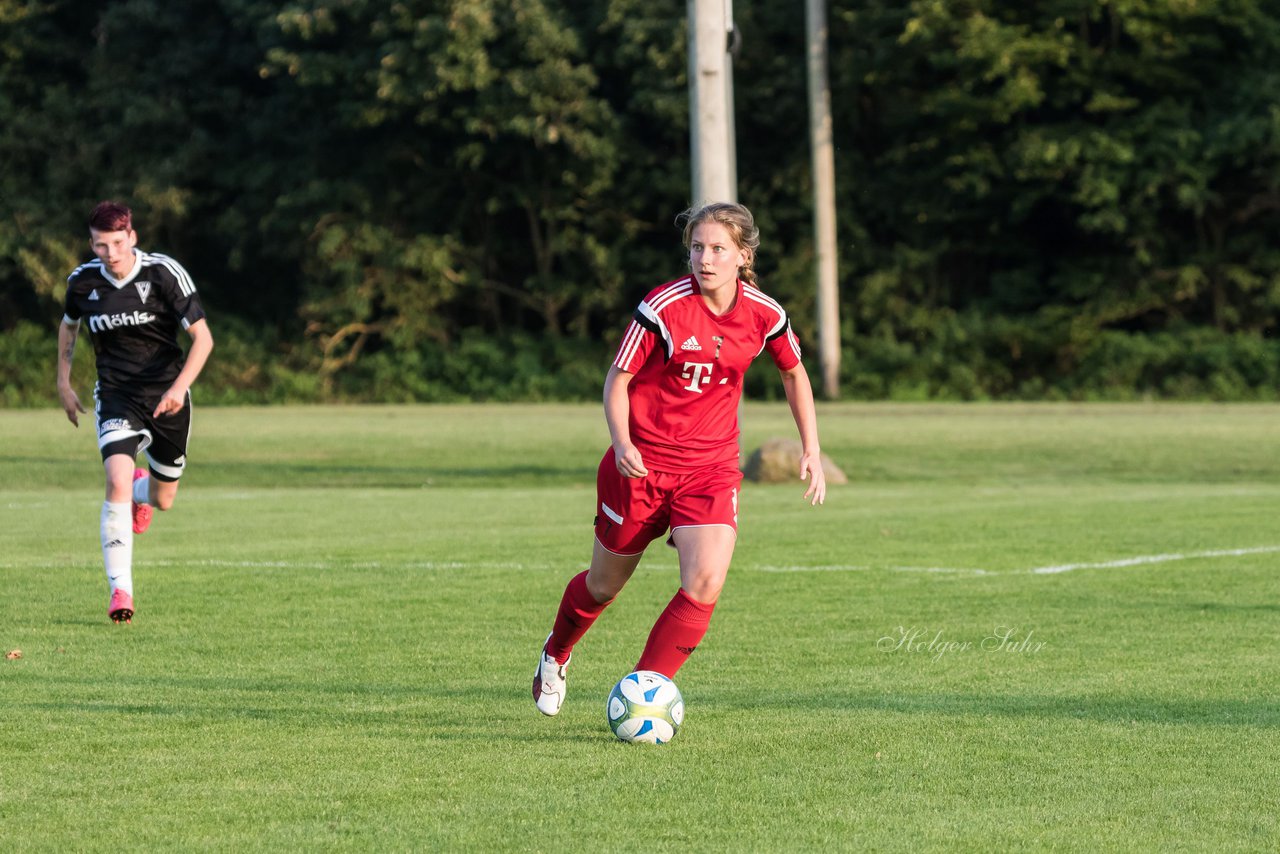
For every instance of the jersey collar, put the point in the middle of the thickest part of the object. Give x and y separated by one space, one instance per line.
133 274
737 299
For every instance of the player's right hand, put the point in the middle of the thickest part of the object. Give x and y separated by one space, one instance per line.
811 469
71 405
627 458
171 401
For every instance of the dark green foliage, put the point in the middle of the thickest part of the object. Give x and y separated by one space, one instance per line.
464 199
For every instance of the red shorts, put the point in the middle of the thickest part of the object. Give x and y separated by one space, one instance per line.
632 512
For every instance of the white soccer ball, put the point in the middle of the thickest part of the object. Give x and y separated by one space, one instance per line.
645 707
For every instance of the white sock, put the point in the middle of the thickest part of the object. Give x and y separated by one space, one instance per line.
142 490
117 545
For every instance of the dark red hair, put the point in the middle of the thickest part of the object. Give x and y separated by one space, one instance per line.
111 216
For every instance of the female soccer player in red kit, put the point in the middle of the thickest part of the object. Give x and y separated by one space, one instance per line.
671 403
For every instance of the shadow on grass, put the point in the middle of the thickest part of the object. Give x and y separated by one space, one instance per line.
327 475
1232 607
405 723
420 710
1218 712
54 471
424 706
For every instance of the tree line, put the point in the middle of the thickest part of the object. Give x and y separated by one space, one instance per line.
465 199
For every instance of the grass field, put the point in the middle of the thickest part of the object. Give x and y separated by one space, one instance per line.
1017 628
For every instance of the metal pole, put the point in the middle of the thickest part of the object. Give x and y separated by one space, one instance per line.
731 123
824 197
710 103
713 153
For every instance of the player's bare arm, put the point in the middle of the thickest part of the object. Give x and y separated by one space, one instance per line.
175 396
800 396
67 335
617 413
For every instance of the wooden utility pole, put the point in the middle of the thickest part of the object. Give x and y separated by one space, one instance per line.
824 197
714 156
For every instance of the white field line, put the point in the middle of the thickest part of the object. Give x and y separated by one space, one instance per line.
368 564
1145 559
1139 560
305 564
942 570
838 567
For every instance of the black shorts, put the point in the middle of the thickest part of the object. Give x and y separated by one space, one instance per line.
126 426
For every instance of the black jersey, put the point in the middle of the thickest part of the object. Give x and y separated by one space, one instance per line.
134 322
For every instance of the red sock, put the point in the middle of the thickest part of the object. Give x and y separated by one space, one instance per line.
578 610
676 634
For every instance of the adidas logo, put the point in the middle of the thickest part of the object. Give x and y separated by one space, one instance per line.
691 344
115 544
93 294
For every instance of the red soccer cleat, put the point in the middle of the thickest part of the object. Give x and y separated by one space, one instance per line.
141 512
120 609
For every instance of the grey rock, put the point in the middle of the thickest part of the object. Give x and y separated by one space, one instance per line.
778 461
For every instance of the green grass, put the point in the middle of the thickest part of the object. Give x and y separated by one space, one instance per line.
338 622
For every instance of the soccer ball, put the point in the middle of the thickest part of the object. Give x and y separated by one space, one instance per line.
645 707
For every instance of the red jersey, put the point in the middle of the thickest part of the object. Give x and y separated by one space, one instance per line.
689 367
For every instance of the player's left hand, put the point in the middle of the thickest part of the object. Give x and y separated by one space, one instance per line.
170 402
811 468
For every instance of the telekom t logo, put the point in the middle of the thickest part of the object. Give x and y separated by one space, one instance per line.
698 374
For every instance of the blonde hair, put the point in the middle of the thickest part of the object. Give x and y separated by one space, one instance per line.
737 220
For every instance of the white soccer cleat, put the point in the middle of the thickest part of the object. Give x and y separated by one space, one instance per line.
549 682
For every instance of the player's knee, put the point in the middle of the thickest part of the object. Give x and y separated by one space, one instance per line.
119 489
603 590
705 589
163 494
